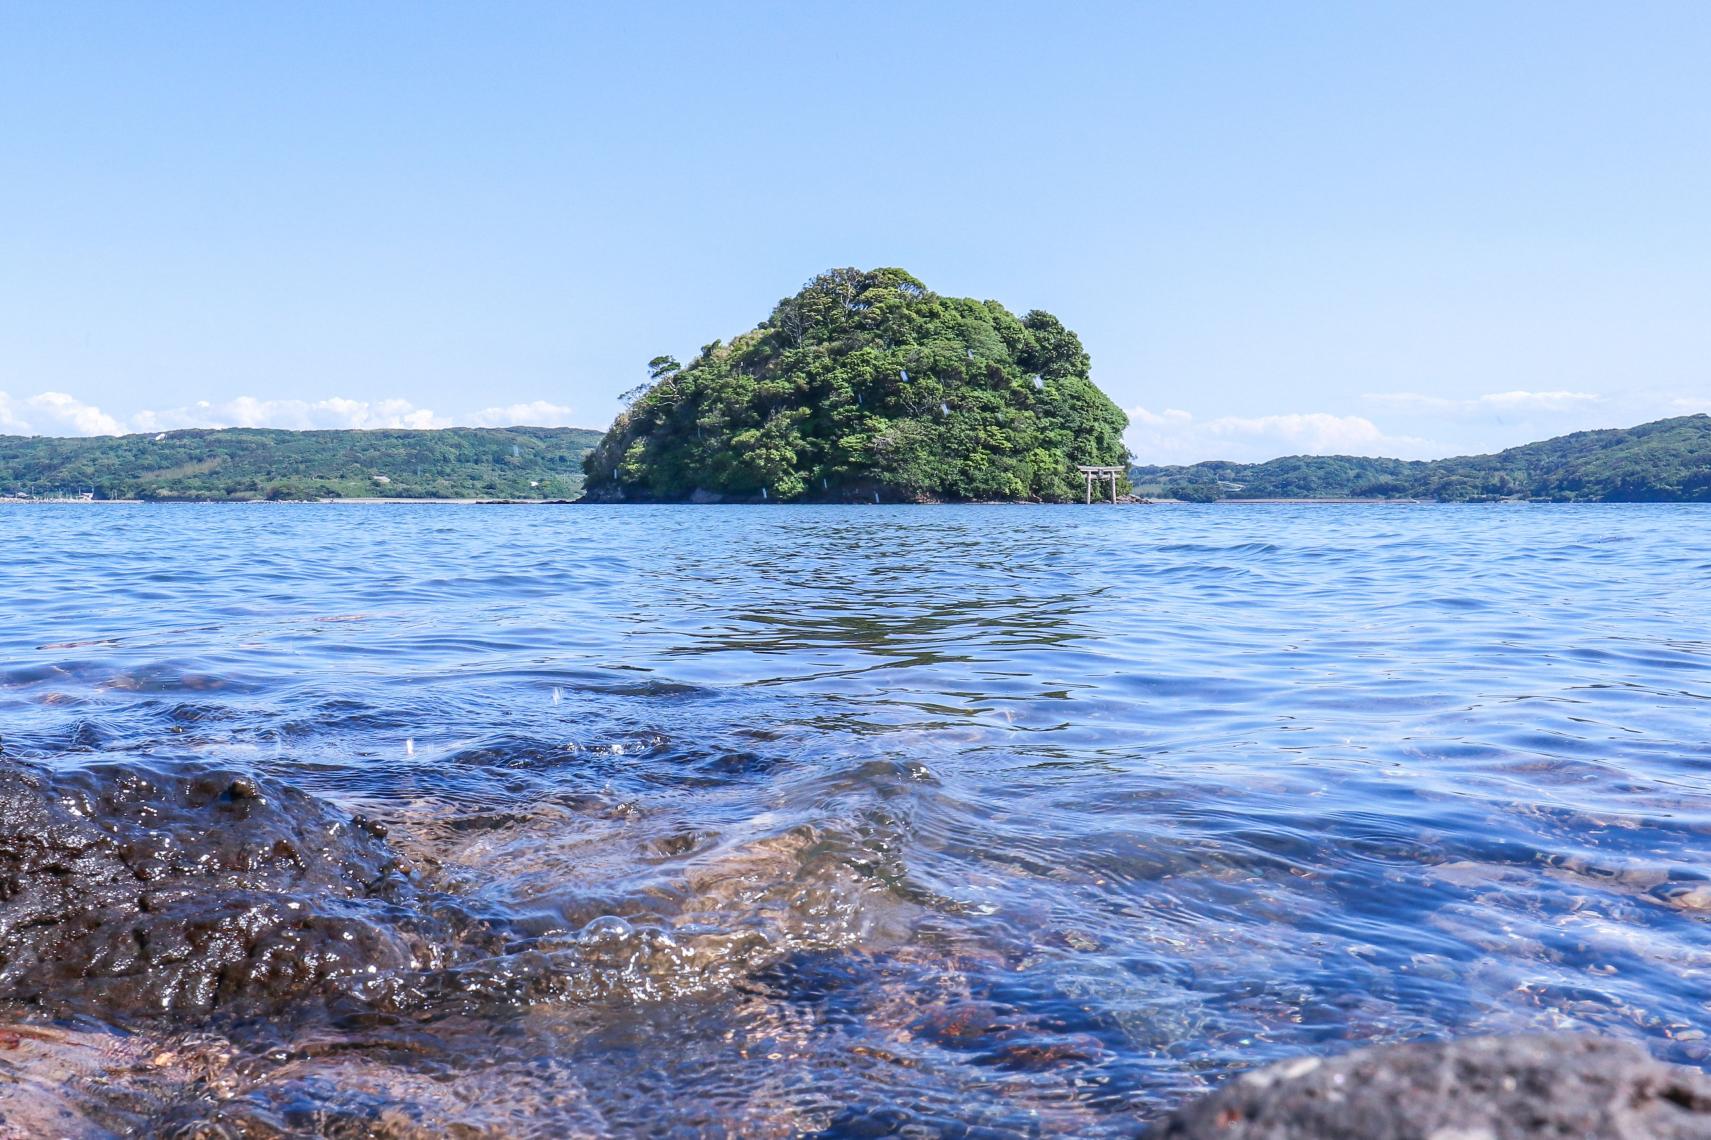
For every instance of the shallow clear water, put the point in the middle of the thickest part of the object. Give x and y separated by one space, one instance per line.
1025 819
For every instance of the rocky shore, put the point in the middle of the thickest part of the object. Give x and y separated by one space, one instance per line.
192 950
1482 1088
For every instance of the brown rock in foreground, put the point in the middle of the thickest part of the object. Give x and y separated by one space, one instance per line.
1483 1088
168 891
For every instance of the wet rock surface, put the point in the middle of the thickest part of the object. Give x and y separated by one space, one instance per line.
193 950
196 950
1491 1088
131 891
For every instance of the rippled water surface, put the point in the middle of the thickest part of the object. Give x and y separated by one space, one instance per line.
974 821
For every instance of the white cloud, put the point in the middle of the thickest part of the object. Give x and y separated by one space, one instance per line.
1176 436
1541 401
1516 401
61 409
538 413
1683 406
1315 432
248 411
1170 417
55 413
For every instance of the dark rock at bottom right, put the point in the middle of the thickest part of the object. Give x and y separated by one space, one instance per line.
1482 1088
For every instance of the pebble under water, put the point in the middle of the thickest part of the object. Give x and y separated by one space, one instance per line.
427 820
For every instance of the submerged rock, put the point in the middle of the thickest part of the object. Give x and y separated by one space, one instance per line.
1483 1088
175 893
133 891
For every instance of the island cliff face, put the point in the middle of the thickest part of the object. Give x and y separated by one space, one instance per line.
866 384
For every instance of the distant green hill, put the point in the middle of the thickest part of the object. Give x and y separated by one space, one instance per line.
1664 461
240 464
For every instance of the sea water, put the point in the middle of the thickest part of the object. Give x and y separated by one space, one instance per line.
965 820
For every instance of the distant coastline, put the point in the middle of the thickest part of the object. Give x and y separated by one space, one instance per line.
255 464
1664 461
1327 501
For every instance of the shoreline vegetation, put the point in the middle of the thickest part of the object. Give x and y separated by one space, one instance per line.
1129 501
1663 461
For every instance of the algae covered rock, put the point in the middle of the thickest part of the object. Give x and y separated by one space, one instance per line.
867 384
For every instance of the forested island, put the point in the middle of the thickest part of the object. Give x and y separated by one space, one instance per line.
866 386
1663 461
243 464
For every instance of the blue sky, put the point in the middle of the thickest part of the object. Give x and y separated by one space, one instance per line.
1405 229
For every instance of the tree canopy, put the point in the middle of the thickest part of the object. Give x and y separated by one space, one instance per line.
865 383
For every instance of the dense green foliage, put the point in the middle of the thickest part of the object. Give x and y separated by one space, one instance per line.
867 383
248 463
1663 461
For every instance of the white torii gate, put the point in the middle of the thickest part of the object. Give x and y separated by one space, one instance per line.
1092 473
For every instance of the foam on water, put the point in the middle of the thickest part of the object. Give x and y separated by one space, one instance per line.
989 821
